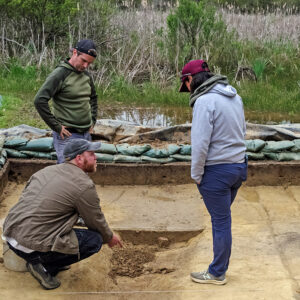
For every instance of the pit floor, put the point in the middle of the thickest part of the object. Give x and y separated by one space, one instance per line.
265 260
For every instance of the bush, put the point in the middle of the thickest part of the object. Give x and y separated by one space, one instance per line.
196 31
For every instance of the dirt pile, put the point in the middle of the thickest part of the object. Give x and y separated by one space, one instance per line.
131 261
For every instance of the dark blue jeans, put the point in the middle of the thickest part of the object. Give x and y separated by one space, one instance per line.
59 143
90 242
218 188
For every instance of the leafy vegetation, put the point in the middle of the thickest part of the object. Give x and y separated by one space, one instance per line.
141 51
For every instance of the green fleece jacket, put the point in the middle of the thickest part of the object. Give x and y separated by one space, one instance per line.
74 99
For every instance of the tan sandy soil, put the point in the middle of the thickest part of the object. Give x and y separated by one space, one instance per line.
265 261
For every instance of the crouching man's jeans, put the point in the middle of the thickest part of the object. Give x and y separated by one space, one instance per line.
59 143
218 188
90 242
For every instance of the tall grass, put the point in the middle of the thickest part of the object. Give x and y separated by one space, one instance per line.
134 65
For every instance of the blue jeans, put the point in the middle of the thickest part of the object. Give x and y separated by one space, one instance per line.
90 242
59 143
218 188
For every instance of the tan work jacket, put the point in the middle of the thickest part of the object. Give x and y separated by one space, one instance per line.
48 209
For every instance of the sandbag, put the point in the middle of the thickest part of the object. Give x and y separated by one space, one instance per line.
255 156
34 154
254 145
107 148
2 141
157 153
2 161
40 145
283 156
102 157
54 154
13 142
127 159
272 146
296 147
3 153
173 149
135 150
185 150
11 153
157 160
180 157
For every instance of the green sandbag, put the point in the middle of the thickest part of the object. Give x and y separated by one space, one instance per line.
40 145
157 160
296 147
157 153
173 149
53 154
107 148
14 142
283 156
272 146
127 159
185 150
2 141
2 161
180 157
4 153
11 153
102 157
255 156
135 150
34 154
254 145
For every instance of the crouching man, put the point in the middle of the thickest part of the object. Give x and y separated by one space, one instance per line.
39 228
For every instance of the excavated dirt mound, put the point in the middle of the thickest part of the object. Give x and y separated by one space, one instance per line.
131 261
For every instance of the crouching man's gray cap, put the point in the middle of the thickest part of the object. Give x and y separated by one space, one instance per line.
75 147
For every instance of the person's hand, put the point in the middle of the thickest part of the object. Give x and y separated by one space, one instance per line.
115 241
91 130
64 132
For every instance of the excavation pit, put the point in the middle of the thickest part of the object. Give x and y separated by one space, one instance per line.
167 234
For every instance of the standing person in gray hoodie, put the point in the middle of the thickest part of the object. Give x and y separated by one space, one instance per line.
219 165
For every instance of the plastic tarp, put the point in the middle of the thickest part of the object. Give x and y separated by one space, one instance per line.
25 131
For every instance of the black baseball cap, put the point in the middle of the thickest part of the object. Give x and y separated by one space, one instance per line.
75 147
87 47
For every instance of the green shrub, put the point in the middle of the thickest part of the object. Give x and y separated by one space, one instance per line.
194 31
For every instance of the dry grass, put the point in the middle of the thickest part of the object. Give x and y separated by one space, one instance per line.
264 27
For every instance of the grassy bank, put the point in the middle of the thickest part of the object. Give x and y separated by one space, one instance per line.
140 61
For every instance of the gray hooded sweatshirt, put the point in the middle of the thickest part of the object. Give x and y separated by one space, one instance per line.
218 129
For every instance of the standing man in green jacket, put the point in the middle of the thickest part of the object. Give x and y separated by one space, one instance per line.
74 98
